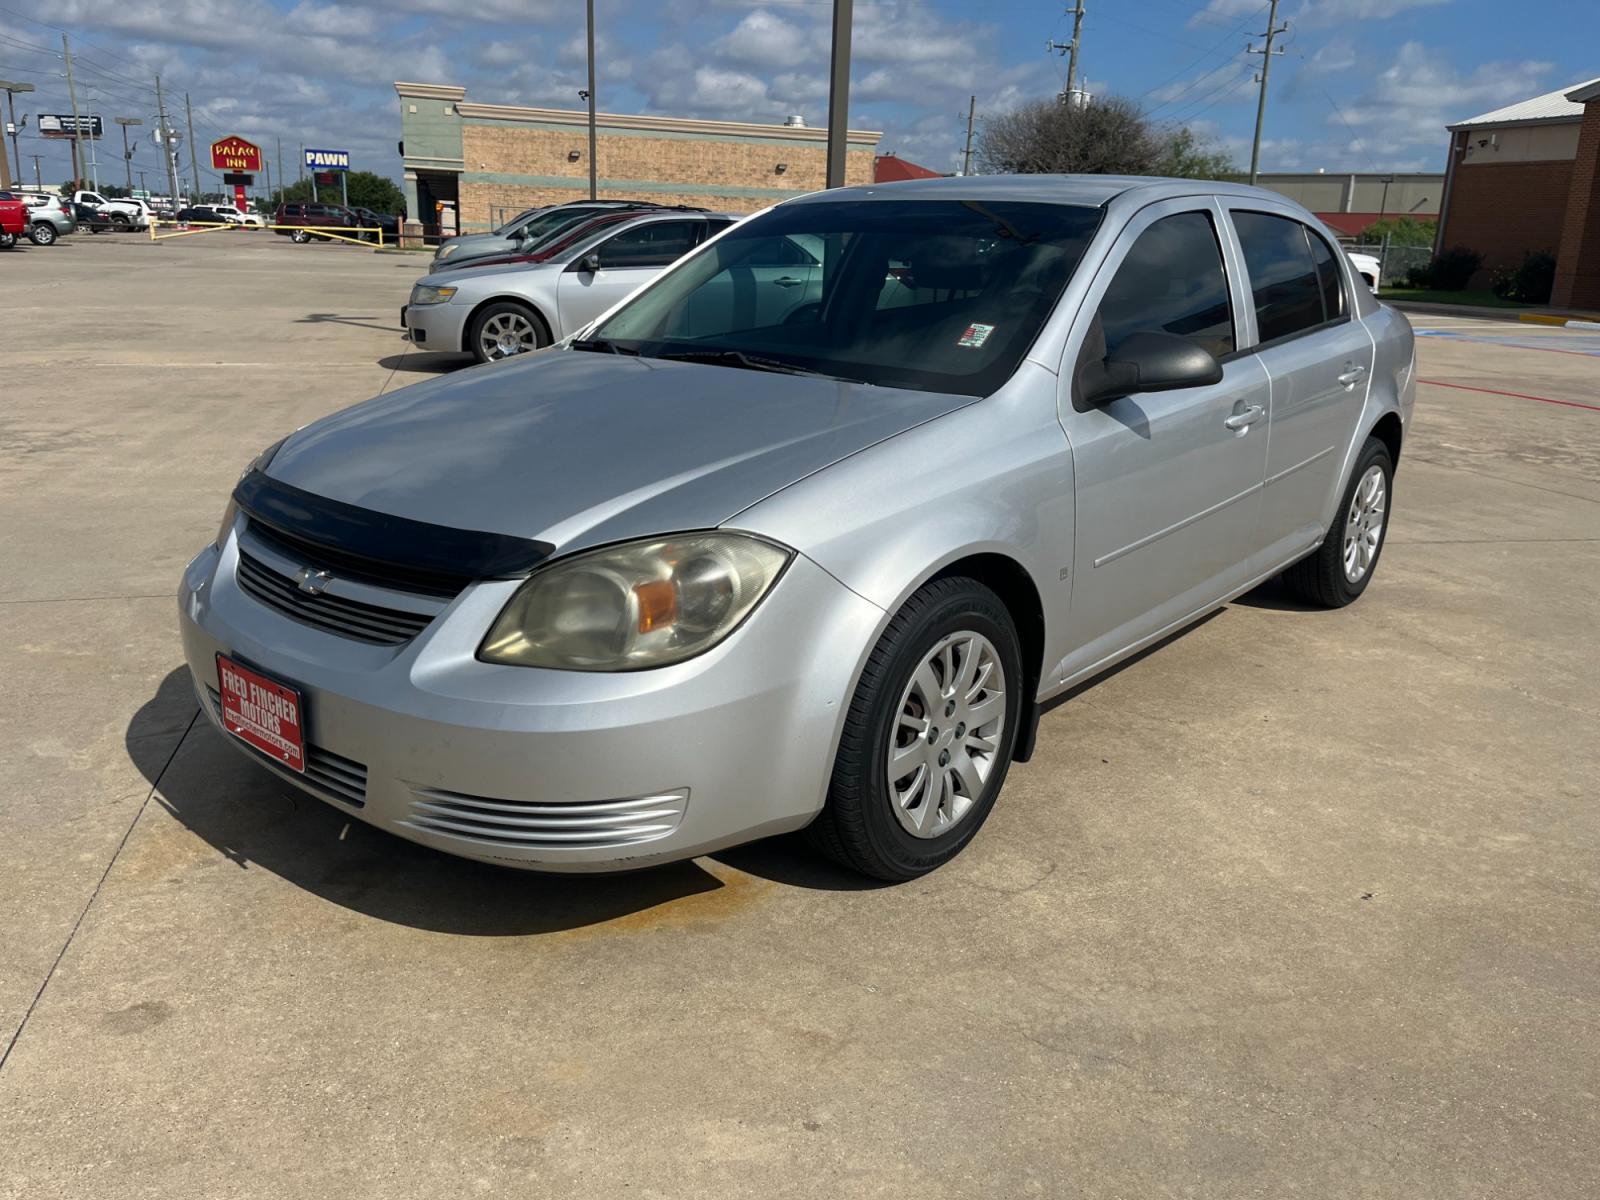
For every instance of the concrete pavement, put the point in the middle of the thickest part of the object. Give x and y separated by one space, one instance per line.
1302 904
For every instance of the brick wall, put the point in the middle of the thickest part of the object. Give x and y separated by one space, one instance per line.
684 164
1578 263
1504 211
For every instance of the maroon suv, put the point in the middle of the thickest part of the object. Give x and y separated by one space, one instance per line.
312 217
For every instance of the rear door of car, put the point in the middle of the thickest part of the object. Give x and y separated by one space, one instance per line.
1167 484
1318 357
627 259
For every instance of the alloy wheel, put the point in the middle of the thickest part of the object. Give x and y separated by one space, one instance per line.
1363 524
945 740
505 334
43 234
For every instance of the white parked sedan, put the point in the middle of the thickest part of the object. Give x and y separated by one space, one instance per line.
496 312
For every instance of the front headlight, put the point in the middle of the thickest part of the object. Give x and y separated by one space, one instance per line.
445 253
426 294
644 604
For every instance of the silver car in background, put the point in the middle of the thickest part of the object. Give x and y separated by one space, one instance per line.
715 568
494 312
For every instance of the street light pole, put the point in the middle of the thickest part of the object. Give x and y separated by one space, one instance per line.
839 91
11 89
127 154
594 167
77 124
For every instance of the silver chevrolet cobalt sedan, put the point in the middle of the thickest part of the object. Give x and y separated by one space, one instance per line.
745 557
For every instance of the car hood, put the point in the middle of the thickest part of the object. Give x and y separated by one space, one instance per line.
473 243
577 449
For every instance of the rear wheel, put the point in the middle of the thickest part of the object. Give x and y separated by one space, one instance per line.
7 240
505 329
300 237
1340 569
42 233
928 737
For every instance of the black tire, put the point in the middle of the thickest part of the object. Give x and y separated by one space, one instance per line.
42 233
502 309
299 237
858 825
1321 578
7 241
120 223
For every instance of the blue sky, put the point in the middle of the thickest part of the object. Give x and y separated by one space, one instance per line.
1363 84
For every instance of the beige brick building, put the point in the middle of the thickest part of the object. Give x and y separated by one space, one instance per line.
492 160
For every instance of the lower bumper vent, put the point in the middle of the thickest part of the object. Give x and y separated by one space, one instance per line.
601 825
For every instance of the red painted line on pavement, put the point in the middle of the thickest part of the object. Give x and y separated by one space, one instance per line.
1466 387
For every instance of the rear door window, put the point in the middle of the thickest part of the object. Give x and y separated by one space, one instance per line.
654 245
1284 282
1172 281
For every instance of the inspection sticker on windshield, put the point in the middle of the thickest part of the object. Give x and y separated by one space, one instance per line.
975 336
262 712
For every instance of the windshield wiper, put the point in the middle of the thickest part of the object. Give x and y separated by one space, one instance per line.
599 346
750 362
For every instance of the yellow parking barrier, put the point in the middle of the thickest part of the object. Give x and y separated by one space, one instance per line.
337 233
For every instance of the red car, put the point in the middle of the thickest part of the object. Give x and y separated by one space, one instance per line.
13 219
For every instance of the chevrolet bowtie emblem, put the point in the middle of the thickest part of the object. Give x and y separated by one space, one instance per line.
312 581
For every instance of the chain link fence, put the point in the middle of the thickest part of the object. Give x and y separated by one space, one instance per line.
1394 262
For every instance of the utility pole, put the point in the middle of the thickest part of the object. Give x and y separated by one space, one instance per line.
143 187
194 163
5 164
166 146
77 125
966 155
1070 49
594 167
11 89
280 169
38 180
127 154
1266 52
839 91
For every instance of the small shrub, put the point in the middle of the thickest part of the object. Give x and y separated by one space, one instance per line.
1535 279
1451 270
1420 276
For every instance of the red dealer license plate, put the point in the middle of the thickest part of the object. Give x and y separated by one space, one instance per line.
262 712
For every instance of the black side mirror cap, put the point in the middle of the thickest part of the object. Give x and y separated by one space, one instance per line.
1147 362
589 264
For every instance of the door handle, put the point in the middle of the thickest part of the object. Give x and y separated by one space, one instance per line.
788 281
1352 374
1245 419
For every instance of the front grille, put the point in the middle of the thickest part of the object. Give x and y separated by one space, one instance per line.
331 776
353 567
335 614
601 825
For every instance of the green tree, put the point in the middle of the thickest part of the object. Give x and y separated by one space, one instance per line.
1109 136
1402 231
366 188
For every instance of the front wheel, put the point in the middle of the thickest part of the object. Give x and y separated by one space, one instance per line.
43 234
505 329
929 734
1338 571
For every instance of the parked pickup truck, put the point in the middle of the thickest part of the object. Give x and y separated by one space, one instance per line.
122 214
13 220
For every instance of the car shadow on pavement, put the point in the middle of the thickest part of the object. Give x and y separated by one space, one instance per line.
1275 595
424 363
255 820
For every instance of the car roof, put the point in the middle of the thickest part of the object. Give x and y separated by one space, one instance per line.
1088 190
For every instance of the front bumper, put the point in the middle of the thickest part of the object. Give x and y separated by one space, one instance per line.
438 326
552 770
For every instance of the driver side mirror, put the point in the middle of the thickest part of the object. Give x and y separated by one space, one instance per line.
1147 362
589 263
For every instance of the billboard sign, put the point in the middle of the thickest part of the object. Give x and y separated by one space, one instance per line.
60 125
327 160
233 153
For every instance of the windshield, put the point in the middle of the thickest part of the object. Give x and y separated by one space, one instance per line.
937 295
